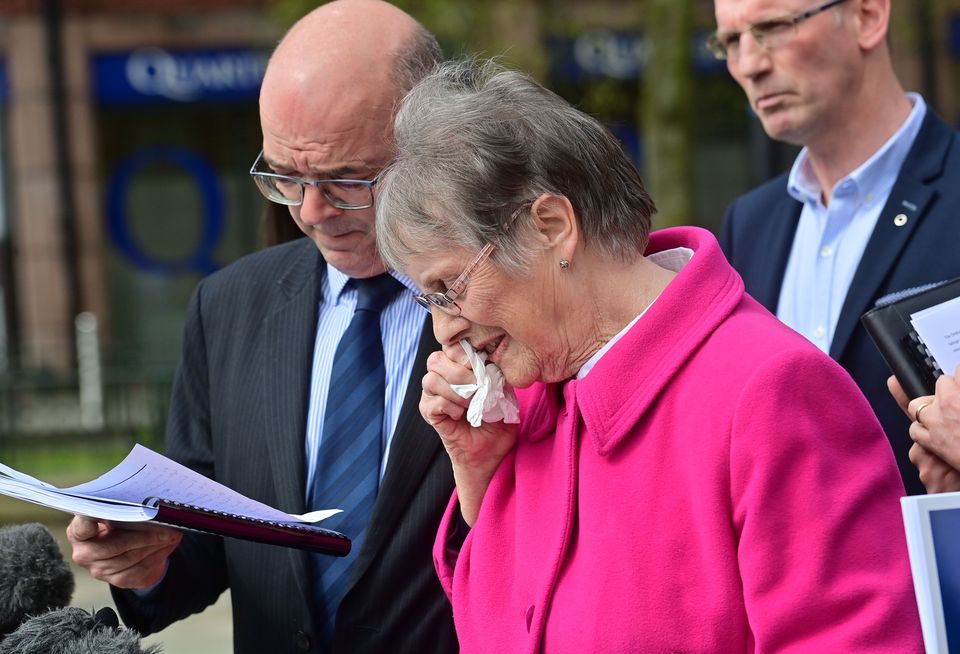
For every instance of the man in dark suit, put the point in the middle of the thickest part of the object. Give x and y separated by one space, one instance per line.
871 204
248 404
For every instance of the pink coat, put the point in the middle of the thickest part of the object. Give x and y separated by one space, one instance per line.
714 484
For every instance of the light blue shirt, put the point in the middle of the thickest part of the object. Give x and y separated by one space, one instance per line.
830 240
401 323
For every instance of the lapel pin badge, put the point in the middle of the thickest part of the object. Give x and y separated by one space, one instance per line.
900 220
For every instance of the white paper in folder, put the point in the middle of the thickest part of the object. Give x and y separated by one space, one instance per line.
939 329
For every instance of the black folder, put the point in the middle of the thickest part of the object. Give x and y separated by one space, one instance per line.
888 324
298 535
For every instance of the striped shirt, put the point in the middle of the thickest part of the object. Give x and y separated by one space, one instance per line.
401 323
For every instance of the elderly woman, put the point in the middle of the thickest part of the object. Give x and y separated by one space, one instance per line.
688 474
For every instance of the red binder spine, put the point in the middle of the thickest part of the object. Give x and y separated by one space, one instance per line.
302 536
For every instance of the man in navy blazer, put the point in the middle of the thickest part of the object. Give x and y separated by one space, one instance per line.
872 204
256 362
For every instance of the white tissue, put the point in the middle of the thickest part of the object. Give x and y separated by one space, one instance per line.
492 400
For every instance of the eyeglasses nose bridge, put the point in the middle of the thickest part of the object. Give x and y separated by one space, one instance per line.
320 188
449 308
756 36
430 302
757 49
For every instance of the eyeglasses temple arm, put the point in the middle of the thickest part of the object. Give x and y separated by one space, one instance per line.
458 285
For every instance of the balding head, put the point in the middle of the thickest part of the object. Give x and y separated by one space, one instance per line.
326 111
344 51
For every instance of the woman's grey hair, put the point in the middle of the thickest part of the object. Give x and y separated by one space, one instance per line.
475 142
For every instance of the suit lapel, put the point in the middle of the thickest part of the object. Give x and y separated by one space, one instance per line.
909 199
288 336
414 446
768 268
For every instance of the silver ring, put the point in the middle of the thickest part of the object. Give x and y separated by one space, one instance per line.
917 414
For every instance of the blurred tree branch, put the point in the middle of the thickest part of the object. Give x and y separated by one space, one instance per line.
665 109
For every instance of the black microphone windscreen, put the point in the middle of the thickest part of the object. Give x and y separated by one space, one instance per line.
34 578
107 617
72 631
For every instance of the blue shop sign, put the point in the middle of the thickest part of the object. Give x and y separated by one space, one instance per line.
612 54
155 75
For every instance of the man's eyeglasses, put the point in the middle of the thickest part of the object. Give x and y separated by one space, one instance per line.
768 34
446 302
289 190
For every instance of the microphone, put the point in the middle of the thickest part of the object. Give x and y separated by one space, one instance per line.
74 631
34 578
36 585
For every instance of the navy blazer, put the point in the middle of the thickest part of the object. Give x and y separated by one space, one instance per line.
238 414
757 235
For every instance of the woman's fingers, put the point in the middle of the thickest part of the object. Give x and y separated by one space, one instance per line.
439 403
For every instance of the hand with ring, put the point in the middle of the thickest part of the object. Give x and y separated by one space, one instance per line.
936 425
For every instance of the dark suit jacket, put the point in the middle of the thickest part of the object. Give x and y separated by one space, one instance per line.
238 414
758 232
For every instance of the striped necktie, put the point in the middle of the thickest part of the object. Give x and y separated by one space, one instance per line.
348 463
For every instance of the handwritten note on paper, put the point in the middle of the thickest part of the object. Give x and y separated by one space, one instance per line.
129 492
144 474
939 329
46 495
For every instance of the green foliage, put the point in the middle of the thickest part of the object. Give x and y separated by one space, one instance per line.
454 23
286 12
491 29
666 110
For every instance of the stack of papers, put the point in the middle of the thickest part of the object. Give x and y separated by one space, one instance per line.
147 486
939 329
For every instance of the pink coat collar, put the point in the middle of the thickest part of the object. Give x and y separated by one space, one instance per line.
701 296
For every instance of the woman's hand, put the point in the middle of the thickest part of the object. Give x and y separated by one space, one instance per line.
937 475
475 452
937 428
936 431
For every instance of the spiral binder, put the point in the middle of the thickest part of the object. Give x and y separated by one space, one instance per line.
888 324
298 535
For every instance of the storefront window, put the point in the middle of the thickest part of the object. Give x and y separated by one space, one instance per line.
177 134
601 71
